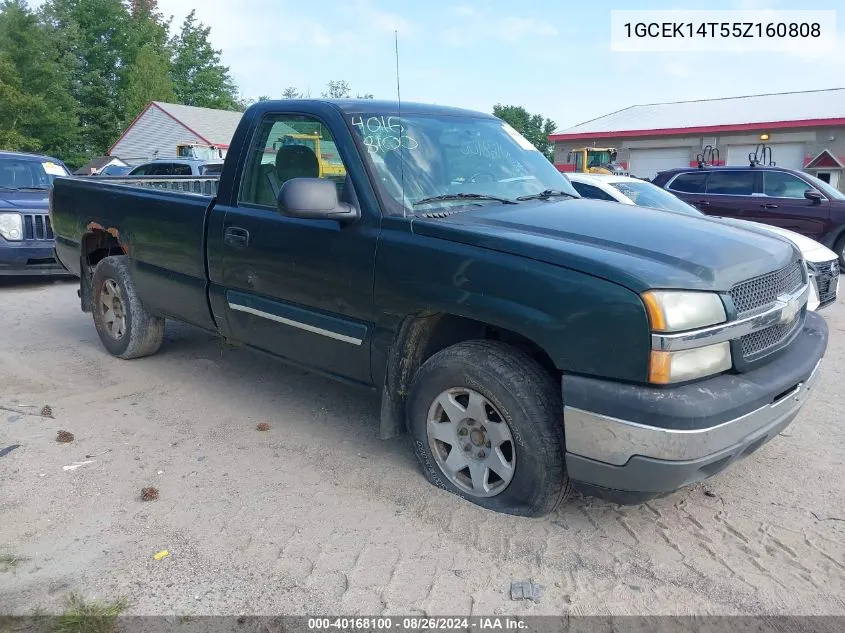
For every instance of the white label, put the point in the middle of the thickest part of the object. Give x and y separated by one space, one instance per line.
53 169
523 142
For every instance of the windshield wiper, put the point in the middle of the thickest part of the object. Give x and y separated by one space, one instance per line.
5 188
545 195
33 188
464 196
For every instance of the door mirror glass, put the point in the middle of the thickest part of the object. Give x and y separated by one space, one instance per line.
812 194
313 199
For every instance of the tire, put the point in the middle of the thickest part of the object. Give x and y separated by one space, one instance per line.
530 476
840 250
125 327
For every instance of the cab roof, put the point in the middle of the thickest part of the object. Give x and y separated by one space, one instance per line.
374 106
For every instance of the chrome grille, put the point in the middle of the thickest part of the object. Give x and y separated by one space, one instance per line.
764 290
37 227
757 342
826 275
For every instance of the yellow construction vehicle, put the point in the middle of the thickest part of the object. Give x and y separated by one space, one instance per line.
327 155
596 160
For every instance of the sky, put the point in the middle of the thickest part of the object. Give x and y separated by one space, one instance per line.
551 56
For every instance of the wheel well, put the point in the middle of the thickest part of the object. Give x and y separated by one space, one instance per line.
450 329
96 246
423 335
839 238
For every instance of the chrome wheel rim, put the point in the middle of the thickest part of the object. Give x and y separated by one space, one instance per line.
471 442
112 310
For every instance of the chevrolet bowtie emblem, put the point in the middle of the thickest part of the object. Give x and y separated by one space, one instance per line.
791 307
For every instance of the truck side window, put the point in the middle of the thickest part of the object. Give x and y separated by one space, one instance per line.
287 146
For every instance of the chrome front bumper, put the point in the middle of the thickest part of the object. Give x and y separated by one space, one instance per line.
615 441
630 442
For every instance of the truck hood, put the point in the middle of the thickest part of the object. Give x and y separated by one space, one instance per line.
637 247
14 200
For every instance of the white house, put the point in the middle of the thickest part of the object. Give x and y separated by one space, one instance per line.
166 130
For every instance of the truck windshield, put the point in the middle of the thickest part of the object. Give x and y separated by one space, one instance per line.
26 173
424 156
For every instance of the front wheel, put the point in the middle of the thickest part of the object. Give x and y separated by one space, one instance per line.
840 250
125 327
486 423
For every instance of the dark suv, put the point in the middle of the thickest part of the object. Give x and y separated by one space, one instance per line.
771 195
26 236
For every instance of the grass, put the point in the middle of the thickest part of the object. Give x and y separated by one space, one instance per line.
8 562
80 616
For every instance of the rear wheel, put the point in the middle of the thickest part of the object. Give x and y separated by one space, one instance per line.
126 329
486 423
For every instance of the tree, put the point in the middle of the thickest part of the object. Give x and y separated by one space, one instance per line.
15 108
364 96
291 93
141 8
199 78
533 127
46 112
147 76
337 90
98 43
147 79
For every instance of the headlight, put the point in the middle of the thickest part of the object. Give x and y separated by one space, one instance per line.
676 311
689 364
11 226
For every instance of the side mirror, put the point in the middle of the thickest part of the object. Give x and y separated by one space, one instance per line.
314 199
815 196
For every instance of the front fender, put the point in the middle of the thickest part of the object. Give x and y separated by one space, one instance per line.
585 324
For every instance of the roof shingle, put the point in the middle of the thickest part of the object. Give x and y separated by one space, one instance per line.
216 126
768 108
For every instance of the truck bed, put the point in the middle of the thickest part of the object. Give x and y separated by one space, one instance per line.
160 221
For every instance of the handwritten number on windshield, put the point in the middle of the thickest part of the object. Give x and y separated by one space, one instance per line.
384 134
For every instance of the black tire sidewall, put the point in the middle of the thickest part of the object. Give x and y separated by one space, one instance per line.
107 269
539 472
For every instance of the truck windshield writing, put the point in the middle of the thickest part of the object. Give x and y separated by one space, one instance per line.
420 157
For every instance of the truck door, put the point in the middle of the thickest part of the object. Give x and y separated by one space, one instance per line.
300 289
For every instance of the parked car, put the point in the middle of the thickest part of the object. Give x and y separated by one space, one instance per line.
114 170
527 339
776 196
26 235
822 263
176 167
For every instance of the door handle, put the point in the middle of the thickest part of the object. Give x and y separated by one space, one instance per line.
769 206
703 203
236 236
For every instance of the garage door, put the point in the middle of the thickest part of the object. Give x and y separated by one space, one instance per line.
789 155
645 163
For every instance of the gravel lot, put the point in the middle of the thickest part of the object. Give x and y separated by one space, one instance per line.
317 515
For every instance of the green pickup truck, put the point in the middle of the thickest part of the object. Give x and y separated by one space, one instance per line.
527 340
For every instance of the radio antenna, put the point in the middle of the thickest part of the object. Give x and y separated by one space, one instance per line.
399 111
